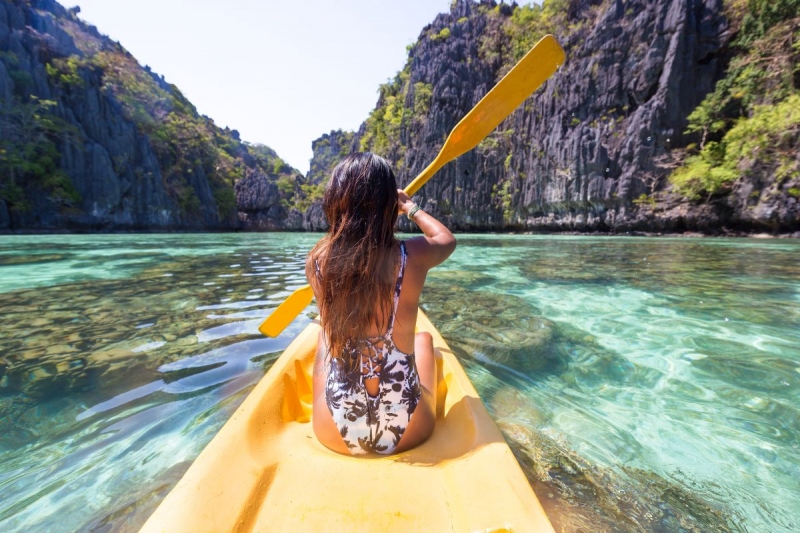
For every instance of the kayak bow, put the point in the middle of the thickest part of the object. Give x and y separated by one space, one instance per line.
266 471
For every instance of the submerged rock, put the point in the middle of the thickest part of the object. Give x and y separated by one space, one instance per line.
81 337
462 278
14 433
53 379
498 329
583 497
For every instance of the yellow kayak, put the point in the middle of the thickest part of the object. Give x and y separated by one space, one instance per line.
266 471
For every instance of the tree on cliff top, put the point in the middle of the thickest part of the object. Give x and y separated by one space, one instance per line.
750 121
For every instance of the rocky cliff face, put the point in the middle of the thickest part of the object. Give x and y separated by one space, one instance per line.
98 134
90 140
592 149
327 151
93 141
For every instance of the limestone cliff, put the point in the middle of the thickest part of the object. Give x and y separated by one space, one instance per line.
592 150
668 116
90 140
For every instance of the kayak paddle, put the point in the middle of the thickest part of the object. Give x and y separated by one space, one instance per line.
527 75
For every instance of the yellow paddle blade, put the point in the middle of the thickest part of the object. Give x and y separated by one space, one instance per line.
527 75
287 311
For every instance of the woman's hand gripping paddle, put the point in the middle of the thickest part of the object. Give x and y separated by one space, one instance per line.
532 71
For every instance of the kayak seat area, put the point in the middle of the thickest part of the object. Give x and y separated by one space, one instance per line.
266 471
298 395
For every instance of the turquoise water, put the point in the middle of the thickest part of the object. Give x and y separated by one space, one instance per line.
643 384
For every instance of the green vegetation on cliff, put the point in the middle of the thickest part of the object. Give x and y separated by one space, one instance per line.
29 131
529 23
752 118
400 103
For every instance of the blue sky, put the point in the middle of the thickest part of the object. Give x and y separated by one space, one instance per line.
281 72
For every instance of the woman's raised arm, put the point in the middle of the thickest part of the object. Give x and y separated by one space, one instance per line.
438 242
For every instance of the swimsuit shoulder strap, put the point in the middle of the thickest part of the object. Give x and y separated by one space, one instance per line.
399 285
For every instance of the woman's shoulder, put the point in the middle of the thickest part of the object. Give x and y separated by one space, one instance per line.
417 245
424 252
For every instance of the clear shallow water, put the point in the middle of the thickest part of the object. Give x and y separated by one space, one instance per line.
644 384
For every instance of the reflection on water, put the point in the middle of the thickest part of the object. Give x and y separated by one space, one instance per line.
643 384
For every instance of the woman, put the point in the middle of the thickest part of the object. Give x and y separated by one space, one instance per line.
374 379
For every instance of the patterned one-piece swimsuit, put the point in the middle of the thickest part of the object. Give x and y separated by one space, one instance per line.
374 424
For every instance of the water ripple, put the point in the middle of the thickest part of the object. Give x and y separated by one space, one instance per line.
656 394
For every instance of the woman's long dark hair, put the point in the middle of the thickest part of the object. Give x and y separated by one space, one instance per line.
352 268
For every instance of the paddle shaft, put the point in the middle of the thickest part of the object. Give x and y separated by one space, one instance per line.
527 75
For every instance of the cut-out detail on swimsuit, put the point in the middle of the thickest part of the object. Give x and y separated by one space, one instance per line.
374 424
